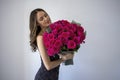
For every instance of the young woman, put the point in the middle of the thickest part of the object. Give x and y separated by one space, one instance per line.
49 70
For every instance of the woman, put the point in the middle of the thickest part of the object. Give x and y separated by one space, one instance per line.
49 70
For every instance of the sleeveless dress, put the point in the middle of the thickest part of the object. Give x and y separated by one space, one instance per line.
44 74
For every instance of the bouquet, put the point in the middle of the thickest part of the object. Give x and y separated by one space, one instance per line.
62 36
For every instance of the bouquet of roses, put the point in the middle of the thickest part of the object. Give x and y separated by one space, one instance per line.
62 36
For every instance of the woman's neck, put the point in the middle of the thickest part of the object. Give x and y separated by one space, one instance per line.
43 30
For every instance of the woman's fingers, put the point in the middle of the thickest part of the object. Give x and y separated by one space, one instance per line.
66 56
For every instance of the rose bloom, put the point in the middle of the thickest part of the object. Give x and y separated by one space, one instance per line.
71 44
50 51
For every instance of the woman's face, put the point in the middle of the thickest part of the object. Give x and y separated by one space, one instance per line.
43 19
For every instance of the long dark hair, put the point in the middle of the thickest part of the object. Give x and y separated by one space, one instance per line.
34 29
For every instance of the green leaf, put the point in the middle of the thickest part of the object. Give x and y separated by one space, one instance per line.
85 33
75 22
48 30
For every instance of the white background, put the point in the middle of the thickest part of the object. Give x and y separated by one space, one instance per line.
97 59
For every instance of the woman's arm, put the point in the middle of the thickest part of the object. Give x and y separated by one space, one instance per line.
46 60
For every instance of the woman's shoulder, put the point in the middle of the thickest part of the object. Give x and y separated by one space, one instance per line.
39 39
39 36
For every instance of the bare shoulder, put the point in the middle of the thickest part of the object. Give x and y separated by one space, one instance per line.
39 37
39 40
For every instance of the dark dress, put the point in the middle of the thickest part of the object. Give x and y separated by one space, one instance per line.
44 74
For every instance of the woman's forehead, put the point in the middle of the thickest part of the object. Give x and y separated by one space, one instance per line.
40 13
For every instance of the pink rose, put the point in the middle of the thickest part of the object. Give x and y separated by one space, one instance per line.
51 41
74 27
50 52
80 29
65 22
52 26
65 35
51 36
58 43
71 44
77 40
82 37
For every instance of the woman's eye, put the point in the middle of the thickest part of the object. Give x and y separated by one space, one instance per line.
45 15
41 19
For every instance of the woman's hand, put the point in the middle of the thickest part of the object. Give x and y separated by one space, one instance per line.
66 55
